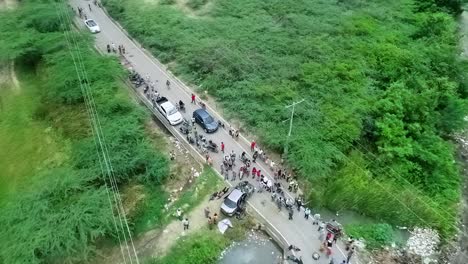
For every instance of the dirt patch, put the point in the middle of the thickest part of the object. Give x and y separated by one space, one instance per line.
157 243
8 76
8 4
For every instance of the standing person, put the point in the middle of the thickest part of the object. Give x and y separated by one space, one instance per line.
186 223
350 254
322 235
306 213
290 213
123 49
222 147
254 156
90 8
215 218
108 48
233 175
210 222
349 243
95 2
120 50
222 168
193 98
252 145
226 175
254 172
259 173
113 47
207 212
316 219
299 204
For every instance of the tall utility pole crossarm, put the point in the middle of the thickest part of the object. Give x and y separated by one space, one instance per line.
293 105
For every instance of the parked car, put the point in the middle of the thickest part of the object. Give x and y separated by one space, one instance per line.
235 201
205 120
92 26
169 111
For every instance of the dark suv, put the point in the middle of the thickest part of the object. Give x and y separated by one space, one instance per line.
205 120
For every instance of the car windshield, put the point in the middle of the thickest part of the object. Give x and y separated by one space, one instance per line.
208 120
229 203
91 23
172 110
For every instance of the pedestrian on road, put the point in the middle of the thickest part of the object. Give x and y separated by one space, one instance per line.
222 147
299 204
349 243
222 168
123 49
254 172
120 50
80 12
108 48
321 235
207 212
193 98
306 213
233 175
316 220
259 173
90 8
113 48
254 156
290 213
95 2
350 254
252 146
226 175
186 224
85 17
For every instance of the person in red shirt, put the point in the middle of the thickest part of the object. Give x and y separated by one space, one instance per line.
252 146
222 147
193 98
254 172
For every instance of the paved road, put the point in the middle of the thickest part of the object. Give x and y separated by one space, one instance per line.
299 232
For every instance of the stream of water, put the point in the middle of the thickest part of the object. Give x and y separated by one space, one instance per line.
258 248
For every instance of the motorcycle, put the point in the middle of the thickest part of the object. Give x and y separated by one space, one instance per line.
212 146
136 79
180 106
186 127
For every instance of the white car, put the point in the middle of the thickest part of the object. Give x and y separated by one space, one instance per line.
92 26
169 111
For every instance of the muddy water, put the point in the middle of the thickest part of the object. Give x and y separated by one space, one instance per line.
258 248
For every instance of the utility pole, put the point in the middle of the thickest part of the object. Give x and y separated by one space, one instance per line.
293 105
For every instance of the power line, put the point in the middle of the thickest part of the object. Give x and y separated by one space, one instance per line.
102 146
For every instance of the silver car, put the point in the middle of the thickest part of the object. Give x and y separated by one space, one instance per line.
234 201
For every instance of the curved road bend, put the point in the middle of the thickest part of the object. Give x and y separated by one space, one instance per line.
299 231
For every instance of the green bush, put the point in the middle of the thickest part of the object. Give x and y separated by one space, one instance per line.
60 216
378 77
375 235
201 248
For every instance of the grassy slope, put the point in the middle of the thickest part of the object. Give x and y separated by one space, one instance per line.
26 145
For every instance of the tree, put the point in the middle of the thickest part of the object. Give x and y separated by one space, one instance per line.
56 218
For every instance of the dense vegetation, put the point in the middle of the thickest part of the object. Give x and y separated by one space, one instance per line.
383 86
61 208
